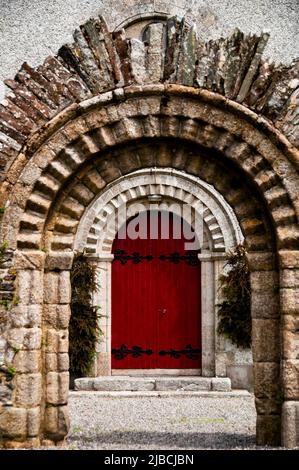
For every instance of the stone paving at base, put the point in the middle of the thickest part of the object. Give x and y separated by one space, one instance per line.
169 421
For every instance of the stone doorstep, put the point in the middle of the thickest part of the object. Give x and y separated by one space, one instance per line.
161 394
166 384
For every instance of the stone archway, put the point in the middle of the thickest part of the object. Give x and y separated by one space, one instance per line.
75 154
97 230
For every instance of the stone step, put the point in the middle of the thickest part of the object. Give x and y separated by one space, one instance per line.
136 384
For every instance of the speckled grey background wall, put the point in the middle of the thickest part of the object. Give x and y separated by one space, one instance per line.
32 29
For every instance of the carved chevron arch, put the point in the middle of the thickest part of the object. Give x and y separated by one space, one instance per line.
98 61
94 233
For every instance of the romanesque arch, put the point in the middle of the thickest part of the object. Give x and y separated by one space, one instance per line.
104 110
219 233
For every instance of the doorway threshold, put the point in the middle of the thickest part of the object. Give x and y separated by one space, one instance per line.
153 383
156 372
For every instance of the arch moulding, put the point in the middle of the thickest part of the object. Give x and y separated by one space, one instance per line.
82 121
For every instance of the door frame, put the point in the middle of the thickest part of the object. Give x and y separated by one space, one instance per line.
211 267
222 233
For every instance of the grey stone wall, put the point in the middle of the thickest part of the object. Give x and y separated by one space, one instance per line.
32 29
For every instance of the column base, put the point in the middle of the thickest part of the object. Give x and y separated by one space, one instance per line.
104 364
290 424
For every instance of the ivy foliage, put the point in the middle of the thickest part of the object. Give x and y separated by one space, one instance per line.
84 331
234 318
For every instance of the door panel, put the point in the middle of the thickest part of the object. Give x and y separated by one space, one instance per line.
155 303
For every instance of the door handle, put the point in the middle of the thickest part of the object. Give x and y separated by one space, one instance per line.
163 311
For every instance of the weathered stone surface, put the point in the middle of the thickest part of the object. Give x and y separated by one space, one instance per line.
268 430
264 281
290 378
57 388
29 286
264 305
80 57
285 81
28 316
221 384
191 384
266 379
187 59
154 52
290 431
57 288
33 421
241 376
28 389
253 68
100 42
57 341
137 59
267 406
64 79
13 422
261 261
24 338
289 278
57 316
289 123
27 361
59 262
290 337
122 48
57 362
33 260
115 383
289 299
289 259
84 384
56 422
38 85
174 29
265 344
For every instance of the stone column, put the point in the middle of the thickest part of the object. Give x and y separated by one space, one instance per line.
102 299
211 264
56 315
20 416
289 305
266 346
220 343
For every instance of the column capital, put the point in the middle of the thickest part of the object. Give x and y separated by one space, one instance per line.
213 256
100 257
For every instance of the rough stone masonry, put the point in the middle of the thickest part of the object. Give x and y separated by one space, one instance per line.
61 130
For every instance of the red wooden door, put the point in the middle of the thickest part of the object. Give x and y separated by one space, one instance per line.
156 321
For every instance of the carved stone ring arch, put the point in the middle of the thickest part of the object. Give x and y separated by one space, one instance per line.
94 233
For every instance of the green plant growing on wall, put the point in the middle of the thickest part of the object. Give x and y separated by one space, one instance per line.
11 372
83 329
234 318
3 249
